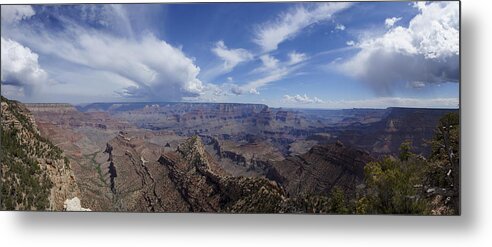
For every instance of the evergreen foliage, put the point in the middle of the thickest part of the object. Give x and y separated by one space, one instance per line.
23 183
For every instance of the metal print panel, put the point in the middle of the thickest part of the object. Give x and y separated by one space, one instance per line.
298 107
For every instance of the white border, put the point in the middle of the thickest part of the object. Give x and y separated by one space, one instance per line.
473 228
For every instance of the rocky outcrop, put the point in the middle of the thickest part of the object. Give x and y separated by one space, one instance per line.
35 174
134 178
187 179
73 205
207 188
245 158
321 169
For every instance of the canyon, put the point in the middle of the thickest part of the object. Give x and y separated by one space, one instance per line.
219 157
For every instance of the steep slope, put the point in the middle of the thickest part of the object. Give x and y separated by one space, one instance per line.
320 170
35 173
135 181
83 138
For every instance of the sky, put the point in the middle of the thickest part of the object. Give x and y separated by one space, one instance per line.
301 55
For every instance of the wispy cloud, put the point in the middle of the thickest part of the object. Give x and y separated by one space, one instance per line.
269 62
271 70
253 86
269 35
288 24
155 69
296 57
230 57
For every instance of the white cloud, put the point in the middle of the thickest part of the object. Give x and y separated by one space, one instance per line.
419 5
157 70
147 68
113 18
237 90
340 27
350 43
20 67
269 35
295 57
417 84
427 51
302 99
271 70
231 57
254 91
271 77
390 22
252 86
288 24
269 62
211 93
16 13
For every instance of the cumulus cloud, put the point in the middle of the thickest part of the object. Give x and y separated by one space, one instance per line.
231 57
159 70
426 51
288 24
295 57
302 99
16 13
390 22
20 67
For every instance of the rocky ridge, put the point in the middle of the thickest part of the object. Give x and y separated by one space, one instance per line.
147 178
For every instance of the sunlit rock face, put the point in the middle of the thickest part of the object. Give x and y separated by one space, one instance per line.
74 205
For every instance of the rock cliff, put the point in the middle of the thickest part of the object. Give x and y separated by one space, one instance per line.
35 174
321 169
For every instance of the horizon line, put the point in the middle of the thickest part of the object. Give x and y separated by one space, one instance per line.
240 103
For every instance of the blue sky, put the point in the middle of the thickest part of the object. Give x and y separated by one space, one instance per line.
309 55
